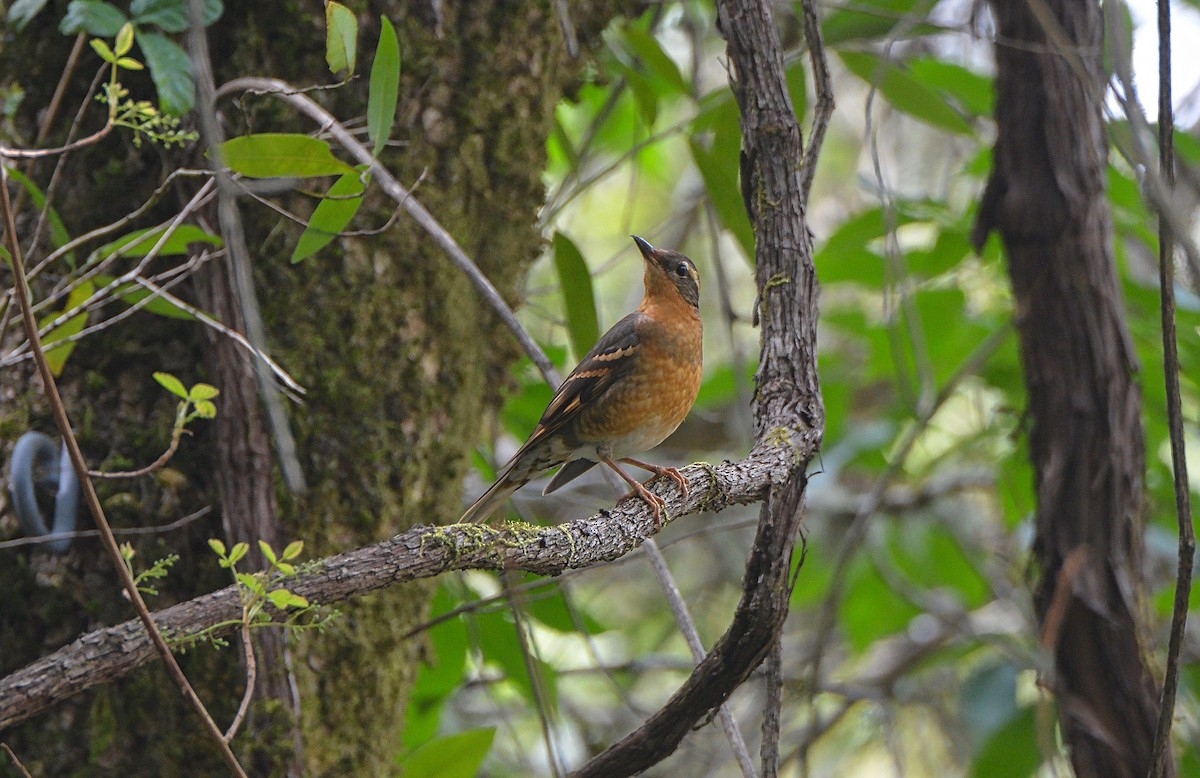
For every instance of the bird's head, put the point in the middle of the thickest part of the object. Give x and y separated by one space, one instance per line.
669 272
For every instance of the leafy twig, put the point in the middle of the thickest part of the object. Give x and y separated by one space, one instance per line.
395 190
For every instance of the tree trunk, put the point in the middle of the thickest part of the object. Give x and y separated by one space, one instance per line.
399 357
1047 199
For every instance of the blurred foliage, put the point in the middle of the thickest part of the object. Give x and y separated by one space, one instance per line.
930 662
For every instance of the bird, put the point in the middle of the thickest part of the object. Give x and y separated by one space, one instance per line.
632 390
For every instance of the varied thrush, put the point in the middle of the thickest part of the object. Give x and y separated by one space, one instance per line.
629 393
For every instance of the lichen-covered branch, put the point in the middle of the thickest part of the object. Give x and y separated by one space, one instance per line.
422 552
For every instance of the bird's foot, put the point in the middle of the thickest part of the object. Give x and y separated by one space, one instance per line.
662 472
657 505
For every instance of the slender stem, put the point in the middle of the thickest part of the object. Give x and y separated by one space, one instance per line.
1160 764
251 676
683 619
24 300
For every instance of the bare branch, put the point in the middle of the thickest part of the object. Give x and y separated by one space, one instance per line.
395 190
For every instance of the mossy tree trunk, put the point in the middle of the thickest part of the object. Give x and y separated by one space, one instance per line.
399 358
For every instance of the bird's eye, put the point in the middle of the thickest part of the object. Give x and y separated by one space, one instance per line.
681 270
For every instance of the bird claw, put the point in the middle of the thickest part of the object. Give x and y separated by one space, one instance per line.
664 472
676 476
657 504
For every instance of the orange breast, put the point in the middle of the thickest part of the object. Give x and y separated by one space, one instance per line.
652 401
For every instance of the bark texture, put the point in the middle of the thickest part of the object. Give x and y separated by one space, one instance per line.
399 359
1047 199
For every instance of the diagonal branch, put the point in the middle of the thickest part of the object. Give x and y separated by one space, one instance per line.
787 405
422 552
396 190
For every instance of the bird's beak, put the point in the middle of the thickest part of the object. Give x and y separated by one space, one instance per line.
644 246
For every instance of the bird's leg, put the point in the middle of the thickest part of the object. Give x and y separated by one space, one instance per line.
650 498
669 472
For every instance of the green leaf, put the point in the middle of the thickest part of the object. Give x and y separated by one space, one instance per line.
644 94
438 678
217 546
203 392
171 70
501 645
294 549
932 558
101 48
58 230
341 37
239 550
987 699
904 92
205 409
578 298
846 256
384 88
872 20
93 17
282 599
173 15
171 384
969 89
285 568
330 217
870 609
22 12
124 40
139 242
129 63
454 756
721 181
277 155
654 61
554 611
267 551
131 294
251 582
1012 752
57 355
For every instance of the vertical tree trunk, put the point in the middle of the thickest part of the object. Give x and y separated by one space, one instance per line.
399 357
1047 199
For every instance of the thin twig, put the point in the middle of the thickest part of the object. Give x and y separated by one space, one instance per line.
1183 509
94 533
239 254
154 466
687 626
89 490
16 762
96 137
251 676
537 681
823 109
60 163
395 190
121 223
772 706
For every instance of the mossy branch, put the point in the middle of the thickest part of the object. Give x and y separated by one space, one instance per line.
107 654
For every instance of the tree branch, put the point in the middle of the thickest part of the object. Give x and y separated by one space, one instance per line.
422 552
787 405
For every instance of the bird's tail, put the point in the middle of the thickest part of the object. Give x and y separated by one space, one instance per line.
496 495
